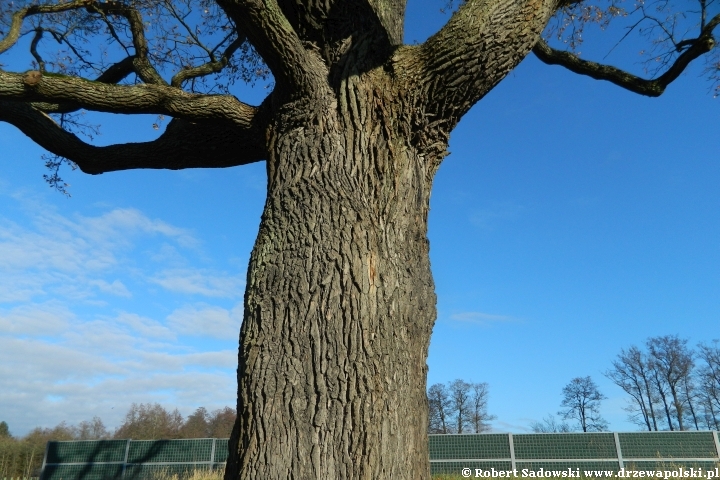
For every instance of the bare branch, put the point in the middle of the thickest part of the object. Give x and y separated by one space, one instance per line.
118 71
33 48
182 145
212 66
158 99
142 65
18 17
652 88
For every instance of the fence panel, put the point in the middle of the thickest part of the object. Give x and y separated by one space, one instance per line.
449 454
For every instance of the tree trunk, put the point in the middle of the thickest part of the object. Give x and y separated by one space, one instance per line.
648 391
340 301
678 406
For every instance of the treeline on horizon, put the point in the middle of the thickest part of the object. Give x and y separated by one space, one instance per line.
670 386
22 457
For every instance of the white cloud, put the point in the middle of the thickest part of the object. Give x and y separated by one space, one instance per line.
488 218
45 319
498 426
63 359
120 223
482 318
146 327
201 282
78 368
209 321
114 288
72 256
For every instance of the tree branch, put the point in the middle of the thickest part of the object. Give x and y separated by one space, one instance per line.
651 88
113 74
481 43
143 67
212 66
183 144
18 17
273 37
101 97
33 48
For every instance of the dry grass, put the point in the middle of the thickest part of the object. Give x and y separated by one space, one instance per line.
196 475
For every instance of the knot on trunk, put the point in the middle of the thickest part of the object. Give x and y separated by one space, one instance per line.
32 78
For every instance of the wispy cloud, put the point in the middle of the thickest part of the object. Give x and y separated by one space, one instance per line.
73 256
498 426
208 321
488 218
64 359
56 366
482 318
201 282
46 319
114 288
146 327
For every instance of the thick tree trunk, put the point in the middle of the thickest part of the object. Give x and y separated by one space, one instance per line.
340 301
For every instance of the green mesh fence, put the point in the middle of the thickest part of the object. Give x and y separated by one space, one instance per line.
458 447
662 445
565 446
86 452
449 454
170 451
132 459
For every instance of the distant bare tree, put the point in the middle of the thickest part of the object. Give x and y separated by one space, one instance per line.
221 422
581 402
196 425
91 430
439 410
150 422
662 391
673 364
33 445
461 405
709 385
479 417
631 373
690 397
550 425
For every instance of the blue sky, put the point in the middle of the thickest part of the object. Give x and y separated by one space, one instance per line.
572 219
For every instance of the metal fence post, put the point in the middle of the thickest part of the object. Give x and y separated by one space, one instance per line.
621 462
512 452
47 448
127 453
717 443
212 455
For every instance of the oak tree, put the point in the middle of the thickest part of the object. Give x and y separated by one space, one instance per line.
439 409
672 364
479 416
632 372
581 402
340 302
550 425
709 380
150 422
